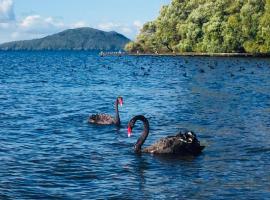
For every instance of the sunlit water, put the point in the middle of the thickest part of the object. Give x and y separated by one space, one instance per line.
49 151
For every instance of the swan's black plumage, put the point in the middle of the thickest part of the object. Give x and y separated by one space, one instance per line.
105 119
183 143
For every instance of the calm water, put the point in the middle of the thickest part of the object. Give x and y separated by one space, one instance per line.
49 151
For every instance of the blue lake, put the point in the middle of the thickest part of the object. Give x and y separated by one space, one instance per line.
49 151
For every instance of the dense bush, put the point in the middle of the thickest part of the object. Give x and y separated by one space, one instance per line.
207 26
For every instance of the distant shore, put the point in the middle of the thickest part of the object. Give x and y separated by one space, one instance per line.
189 54
264 55
208 54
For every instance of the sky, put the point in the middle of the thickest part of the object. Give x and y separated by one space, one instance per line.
28 19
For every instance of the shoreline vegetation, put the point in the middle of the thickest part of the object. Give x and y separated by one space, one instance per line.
262 55
214 27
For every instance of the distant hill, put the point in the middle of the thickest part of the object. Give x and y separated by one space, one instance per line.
72 39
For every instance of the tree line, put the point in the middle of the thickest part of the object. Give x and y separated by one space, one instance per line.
211 26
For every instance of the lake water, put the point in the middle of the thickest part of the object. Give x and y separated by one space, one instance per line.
49 151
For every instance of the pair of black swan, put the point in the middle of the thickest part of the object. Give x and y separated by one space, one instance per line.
181 144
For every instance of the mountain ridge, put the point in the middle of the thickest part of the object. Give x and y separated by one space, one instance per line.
84 38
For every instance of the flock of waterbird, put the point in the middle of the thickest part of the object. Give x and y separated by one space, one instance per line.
183 143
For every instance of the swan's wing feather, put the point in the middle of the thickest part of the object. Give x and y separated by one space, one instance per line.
164 145
179 144
101 119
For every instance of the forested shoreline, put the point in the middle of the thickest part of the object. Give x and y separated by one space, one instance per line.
207 26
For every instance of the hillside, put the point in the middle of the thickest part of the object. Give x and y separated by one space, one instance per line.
72 39
208 26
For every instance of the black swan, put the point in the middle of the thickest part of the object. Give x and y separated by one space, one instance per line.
105 119
180 144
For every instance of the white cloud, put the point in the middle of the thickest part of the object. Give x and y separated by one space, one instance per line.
6 11
126 30
138 24
130 30
108 26
36 26
79 24
29 21
32 26
39 24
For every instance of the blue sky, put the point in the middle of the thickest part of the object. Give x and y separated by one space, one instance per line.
27 19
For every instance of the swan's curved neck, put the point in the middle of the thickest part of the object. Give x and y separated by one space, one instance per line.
144 135
117 118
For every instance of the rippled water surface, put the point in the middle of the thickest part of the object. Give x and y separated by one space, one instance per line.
49 151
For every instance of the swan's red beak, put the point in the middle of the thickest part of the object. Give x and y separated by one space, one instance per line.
121 102
129 131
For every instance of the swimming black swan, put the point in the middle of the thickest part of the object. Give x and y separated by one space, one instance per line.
180 144
105 119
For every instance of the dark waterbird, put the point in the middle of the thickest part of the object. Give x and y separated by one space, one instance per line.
105 119
181 144
185 74
201 71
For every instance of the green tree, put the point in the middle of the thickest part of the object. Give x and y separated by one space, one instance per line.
263 36
208 26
